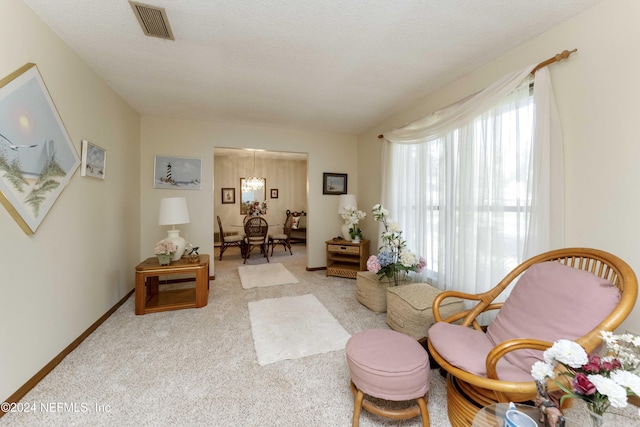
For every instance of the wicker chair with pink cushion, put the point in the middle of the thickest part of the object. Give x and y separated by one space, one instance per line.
571 293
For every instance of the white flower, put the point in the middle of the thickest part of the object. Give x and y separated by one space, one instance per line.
408 259
616 394
567 352
627 379
394 227
540 371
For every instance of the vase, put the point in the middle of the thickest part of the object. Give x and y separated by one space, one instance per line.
597 420
164 259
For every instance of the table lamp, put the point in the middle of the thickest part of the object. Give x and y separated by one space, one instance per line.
173 210
343 201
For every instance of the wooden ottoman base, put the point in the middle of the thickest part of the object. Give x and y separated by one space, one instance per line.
396 414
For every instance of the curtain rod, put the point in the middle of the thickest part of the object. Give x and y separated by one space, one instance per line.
556 58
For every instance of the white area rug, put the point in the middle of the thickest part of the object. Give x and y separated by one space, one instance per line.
293 327
263 275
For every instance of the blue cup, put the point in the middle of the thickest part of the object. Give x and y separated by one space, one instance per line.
515 418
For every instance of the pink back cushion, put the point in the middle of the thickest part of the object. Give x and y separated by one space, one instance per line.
552 301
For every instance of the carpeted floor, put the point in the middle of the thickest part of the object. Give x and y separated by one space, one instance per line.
198 367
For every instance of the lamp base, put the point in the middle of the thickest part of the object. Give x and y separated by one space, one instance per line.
345 231
174 236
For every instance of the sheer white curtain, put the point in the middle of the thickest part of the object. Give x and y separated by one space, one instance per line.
477 187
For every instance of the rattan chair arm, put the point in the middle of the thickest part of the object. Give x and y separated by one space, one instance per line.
508 346
437 302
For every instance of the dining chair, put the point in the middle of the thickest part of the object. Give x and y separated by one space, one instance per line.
228 241
283 238
255 235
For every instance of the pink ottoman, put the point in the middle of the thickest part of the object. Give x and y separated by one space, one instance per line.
388 365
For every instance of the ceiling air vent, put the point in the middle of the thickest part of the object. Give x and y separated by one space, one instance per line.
153 20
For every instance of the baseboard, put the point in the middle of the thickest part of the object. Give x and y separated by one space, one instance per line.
33 381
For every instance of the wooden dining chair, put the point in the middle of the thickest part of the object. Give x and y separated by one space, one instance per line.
255 235
228 241
283 238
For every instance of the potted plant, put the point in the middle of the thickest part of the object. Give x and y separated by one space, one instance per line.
164 250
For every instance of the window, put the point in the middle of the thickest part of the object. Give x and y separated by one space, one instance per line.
463 199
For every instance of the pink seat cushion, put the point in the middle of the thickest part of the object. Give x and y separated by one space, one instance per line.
550 301
388 364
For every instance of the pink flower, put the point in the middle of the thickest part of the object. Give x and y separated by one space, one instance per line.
373 265
421 264
582 385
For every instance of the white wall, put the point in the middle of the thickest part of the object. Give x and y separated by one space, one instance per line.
80 262
597 93
327 152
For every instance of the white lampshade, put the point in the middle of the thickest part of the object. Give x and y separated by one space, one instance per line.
346 200
173 210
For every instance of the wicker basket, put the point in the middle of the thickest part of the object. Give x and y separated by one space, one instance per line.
372 292
409 308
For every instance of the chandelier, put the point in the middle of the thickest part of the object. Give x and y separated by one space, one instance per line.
252 183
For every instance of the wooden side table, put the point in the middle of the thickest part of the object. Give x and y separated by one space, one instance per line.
345 259
149 298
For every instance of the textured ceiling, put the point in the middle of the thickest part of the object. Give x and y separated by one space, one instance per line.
334 65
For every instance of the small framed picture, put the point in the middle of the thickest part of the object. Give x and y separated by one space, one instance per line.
94 160
228 196
334 183
274 193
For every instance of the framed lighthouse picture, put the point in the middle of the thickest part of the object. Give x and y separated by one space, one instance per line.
177 173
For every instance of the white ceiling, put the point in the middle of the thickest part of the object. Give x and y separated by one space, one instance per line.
334 65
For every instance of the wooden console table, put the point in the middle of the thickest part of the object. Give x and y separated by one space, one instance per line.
149 298
345 259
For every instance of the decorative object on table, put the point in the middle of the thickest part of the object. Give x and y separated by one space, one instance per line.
177 173
173 211
348 210
37 157
394 260
334 183
550 414
274 193
228 196
164 250
253 183
257 209
94 160
601 381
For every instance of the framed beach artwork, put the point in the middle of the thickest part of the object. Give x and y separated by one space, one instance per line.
37 157
177 173
94 160
334 183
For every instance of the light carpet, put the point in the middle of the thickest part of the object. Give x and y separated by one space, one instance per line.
293 327
263 275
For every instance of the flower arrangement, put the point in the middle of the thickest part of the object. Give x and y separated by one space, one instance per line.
256 208
353 217
394 260
599 381
165 247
